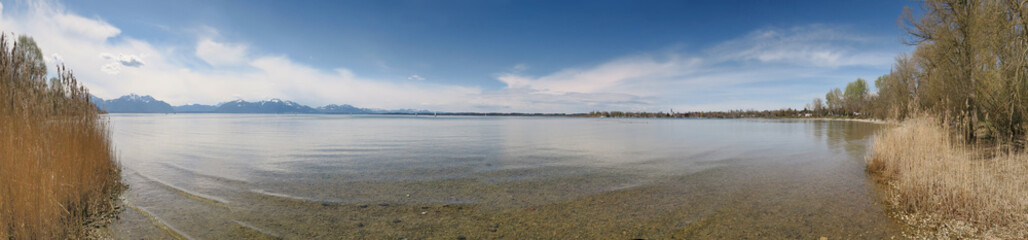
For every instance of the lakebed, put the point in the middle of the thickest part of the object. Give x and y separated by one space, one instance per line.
214 176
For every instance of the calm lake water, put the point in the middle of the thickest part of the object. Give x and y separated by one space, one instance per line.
214 176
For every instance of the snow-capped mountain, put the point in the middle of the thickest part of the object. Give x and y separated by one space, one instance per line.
343 109
195 108
133 103
266 106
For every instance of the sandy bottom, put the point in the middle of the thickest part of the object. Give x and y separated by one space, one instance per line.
374 177
768 202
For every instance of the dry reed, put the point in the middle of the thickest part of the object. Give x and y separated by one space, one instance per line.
59 177
945 189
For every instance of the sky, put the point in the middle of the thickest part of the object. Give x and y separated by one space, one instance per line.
482 56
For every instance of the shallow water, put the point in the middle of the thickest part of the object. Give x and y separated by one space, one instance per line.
214 176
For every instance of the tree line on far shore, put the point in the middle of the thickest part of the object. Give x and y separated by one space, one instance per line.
781 113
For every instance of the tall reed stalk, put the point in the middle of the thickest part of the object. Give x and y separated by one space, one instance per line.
59 176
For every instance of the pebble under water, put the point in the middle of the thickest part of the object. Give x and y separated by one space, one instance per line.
242 176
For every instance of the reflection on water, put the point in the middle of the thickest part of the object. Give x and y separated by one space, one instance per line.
215 176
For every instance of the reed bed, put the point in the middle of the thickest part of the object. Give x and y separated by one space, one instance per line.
948 190
59 176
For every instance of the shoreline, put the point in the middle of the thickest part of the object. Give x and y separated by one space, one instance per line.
865 120
567 115
944 189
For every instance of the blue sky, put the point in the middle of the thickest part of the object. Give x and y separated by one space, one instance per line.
525 56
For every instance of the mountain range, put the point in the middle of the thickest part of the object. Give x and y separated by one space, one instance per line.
195 108
269 106
133 103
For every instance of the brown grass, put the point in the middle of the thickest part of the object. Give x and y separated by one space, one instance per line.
945 189
59 177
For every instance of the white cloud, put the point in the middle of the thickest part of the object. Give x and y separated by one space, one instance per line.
812 45
529 100
620 75
90 29
111 68
520 67
54 58
722 76
120 70
127 60
220 54
116 62
634 83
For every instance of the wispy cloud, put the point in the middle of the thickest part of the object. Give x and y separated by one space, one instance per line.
54 59
811 45
520 67
529 100
159 70
220 54
127 60
116 62
798 62
618 75
729 75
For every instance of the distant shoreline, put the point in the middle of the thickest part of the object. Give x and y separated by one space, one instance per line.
865 120
574 115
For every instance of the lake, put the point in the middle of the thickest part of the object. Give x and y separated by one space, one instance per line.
231 176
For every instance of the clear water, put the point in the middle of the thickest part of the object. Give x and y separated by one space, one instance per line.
214 176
